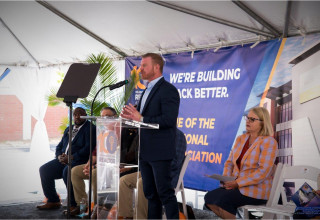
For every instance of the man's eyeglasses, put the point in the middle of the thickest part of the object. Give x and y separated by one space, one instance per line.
251 119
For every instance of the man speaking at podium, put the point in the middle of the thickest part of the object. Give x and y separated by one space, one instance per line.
159 104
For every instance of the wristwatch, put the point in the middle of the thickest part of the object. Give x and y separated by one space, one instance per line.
141 119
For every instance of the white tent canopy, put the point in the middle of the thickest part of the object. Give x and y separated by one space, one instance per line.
53 34
40 33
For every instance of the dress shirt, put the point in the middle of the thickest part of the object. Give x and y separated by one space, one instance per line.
75 131
147 92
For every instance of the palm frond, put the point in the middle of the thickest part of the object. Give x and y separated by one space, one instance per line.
118 105
97 106
64 124
52 99
106 76
107 69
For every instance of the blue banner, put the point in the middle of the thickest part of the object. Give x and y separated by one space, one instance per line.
214 88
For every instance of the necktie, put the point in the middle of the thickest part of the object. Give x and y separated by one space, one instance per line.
74 132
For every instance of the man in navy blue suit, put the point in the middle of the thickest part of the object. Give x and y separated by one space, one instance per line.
57 168
159 104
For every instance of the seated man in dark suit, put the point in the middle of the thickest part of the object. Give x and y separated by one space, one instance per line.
57 168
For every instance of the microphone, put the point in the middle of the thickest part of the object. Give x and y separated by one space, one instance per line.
119 84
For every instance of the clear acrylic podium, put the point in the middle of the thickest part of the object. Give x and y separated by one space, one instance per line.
108 161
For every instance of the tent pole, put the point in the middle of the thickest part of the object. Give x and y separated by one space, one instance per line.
256 17
82 28
211 18
286 24
32 57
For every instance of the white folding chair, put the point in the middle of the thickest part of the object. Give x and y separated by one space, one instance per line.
180 186
275 211
273 199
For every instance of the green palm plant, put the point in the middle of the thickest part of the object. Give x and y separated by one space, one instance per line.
106 76
52 99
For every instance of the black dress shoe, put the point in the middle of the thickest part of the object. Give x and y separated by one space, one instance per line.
49 205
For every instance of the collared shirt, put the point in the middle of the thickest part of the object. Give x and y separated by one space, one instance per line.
147 92
75 131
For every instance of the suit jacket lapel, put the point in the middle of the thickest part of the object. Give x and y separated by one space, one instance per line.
237 153
154 89
254 144
139 103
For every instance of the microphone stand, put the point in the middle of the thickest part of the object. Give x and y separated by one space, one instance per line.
69 101
114 86
69 159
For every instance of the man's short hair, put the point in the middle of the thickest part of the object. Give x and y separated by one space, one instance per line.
80 109
156 59
114 113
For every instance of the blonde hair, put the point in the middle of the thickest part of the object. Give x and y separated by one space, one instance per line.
263 115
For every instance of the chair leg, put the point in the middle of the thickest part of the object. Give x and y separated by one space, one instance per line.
164 216
245 214
268 215
240 213
184 205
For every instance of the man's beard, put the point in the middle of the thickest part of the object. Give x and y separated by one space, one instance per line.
79 122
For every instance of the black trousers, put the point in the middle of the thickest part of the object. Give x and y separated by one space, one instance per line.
158 189
230 200
51 171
